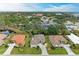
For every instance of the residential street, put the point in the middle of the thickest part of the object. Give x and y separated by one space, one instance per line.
43 49
68 49
8 51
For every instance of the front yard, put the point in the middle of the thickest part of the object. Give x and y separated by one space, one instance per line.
26 51
3 49
57 51
52 50
75 48
76 51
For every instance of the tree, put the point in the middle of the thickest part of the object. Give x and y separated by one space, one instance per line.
53 30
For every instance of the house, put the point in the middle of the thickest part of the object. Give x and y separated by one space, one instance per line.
36 39
72 37
2 37
56 40
38 14
19 39
70 26
59 14
77 24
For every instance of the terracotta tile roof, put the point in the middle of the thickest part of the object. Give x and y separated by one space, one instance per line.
19 39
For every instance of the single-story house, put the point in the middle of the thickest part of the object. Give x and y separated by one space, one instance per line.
19 39
36 39
56 40
72 37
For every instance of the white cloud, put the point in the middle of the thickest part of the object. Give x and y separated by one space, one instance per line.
62 8
19 7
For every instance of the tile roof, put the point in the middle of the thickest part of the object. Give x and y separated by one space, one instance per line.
2 36
55 39
19 39
38 39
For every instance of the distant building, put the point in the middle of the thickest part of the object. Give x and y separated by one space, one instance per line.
47 21
77 24
38 14
58 13
36 39
70 26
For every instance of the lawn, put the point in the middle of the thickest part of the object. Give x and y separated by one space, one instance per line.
26 51
76 51
2 49
57 51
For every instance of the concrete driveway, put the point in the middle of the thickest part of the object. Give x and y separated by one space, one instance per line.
68 49
43 49
8 51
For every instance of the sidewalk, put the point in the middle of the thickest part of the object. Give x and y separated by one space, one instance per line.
68 49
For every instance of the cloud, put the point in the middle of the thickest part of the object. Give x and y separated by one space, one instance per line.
62 8
19 7
38 7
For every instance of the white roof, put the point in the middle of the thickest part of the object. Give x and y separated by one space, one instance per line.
73 38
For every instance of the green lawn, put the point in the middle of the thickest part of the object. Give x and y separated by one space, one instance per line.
2 49
76 51
26 51
57 51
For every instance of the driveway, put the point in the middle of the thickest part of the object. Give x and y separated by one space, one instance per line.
43 49
68 49
8 51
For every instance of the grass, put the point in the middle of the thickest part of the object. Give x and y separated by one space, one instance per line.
57 51
2 49
76 51
26 51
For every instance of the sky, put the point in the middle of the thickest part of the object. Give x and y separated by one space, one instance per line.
44 7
